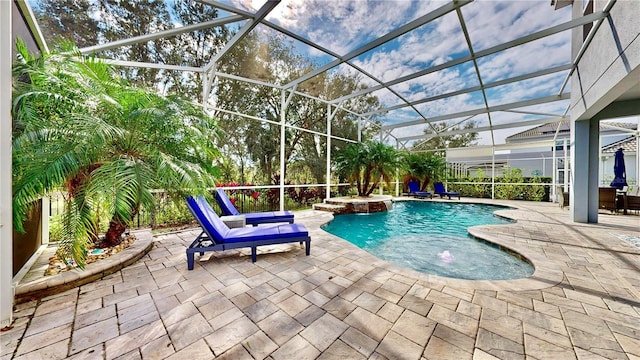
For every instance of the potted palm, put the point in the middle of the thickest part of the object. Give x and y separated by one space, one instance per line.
366 164
80 129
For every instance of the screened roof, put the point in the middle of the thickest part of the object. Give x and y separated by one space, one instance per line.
503 65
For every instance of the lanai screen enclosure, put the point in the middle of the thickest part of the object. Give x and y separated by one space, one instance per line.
425 69
433 68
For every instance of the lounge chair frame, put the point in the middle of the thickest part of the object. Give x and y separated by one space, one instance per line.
414 190
207 240
438 188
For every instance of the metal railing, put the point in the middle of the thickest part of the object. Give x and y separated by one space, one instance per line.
169 214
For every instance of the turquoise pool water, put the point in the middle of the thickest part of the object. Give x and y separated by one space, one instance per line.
432 237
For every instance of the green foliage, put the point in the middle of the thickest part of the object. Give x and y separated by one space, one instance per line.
62 19
366 163
507 188
443 141
480 188
55 228
170 213
535 192
274 59
424 166
81 129
253 147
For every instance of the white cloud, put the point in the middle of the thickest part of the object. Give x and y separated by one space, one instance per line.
343 26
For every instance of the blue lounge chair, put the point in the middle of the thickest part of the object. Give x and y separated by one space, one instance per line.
414 190
438 188
217 236
252 218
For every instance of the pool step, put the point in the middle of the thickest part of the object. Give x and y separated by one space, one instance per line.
332 208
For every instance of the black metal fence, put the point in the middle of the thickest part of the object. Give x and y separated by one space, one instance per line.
168 214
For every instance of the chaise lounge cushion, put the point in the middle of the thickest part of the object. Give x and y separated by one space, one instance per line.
207 218
266 232
269 216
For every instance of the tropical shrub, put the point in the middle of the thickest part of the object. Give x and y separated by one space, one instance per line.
367 163
423 167
508 189
535 192
80 129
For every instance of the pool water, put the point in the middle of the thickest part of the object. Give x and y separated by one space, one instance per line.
432 237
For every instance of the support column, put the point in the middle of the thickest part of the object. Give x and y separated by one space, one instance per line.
328 173
638 153
554 172
583 202
493 173
397 177
283 139
46 214
565 164
6 198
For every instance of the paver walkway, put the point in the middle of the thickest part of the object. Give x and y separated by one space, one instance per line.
583 302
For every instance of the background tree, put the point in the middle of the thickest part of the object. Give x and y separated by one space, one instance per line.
81 129
67 19
126 19
274 59
253 147
444 141
194 48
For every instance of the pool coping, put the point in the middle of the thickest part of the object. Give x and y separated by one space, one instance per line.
546 273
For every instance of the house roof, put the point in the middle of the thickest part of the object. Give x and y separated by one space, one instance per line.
541 130
627 145
547 130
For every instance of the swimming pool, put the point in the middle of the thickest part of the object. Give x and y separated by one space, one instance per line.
432 237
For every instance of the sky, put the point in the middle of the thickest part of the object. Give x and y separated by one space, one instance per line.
344 26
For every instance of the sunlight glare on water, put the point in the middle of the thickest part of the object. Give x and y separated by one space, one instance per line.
432 237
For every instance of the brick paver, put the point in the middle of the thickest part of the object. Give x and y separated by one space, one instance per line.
583 301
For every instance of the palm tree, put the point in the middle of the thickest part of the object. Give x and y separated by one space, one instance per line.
423 167
79 128
366 164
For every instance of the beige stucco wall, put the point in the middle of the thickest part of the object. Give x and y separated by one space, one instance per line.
611 63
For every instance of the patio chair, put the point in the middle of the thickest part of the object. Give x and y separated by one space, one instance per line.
607 198
628 200
562 196
633 199
438 188
216 236
414 190
255 218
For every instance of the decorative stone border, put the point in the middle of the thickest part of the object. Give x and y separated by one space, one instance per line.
49 285
375 203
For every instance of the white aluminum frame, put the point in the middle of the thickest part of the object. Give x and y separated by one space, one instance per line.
259 17
6 197
333 105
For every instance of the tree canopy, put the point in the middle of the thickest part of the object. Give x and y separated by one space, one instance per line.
79 128
252 147
444 141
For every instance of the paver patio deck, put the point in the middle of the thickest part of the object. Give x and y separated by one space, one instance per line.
583 302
